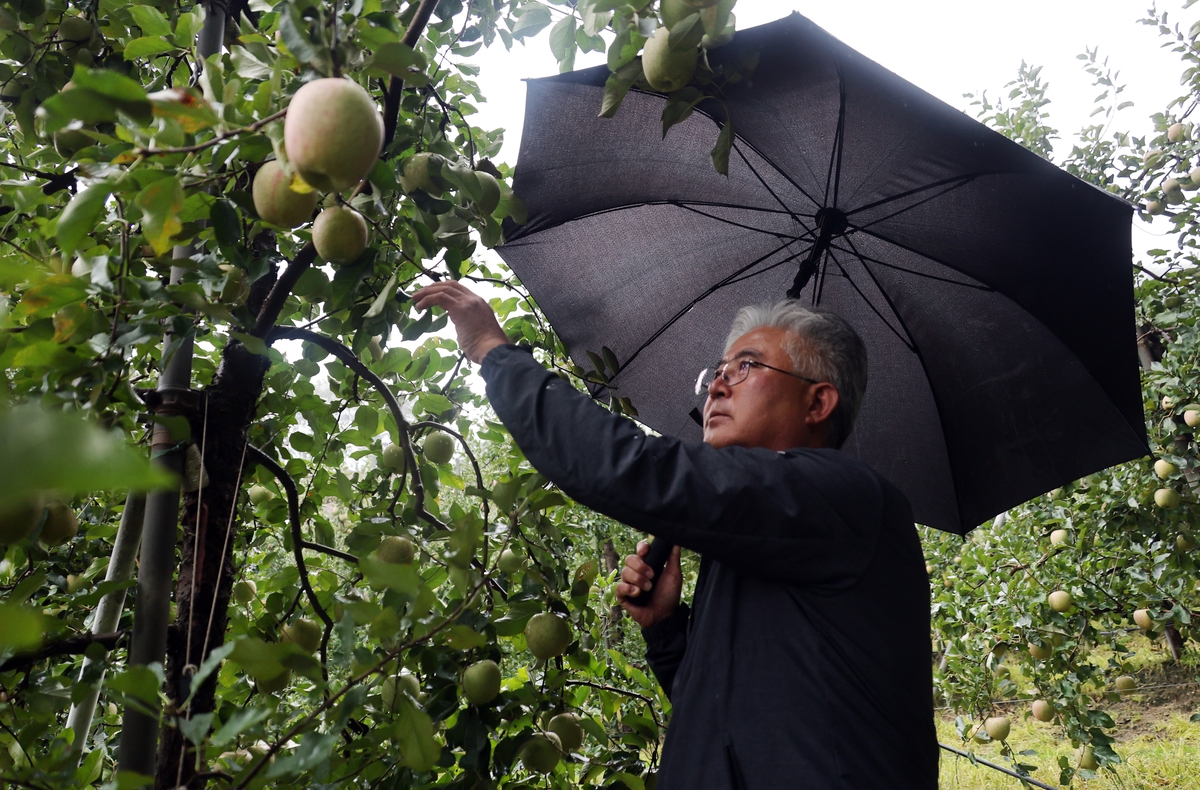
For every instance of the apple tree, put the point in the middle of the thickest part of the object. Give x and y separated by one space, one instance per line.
1035 613
348 575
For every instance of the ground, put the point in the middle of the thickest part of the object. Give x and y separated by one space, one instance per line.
1155 737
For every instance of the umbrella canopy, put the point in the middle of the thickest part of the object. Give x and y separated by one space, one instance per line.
994 292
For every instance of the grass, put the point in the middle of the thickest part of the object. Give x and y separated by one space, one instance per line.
1165 754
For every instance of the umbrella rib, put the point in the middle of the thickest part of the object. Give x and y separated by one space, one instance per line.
707 293
738 224
955 182
834 176
925 255
767 186
915 273
932 392
761 272
907 342
664 202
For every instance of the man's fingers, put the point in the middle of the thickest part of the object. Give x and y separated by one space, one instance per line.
636 564
642 548
636 579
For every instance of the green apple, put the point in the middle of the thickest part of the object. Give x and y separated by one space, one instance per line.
417 173
1192 418
1043 710
997 727
1059 600
333 133
1040 652
260 494
541 753
667 71
481 682
1167 498
1059 536
1143 619
439 447
566 727
245 591
340 234
548 635
1184 542
510 562
61 525
1087 758
274 685
1176 132
397 550
393 459
304 633
1164 469
1125 683
277 202
491 192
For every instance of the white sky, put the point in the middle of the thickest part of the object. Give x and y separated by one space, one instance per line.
947 47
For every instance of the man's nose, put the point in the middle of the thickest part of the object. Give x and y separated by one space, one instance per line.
719 388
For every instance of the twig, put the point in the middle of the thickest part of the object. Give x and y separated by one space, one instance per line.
293 497
354 681
347 358
71 646
273 305
391 99
223 136
1000 768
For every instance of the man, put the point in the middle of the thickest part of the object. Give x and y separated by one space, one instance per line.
804 660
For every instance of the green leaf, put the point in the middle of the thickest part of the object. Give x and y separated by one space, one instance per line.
313 750
531 20
679 106
42 450
196 727
254 345
161 203
147 45
21 627
413 731
381 574
267 660
562 43
617 85
241 720
381 301
398 58
212 663
150 20
293 31
140 682
720 152
81 216
686 33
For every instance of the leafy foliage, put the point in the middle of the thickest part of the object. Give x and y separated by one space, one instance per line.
130 231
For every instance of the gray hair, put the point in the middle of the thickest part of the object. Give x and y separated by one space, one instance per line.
823 346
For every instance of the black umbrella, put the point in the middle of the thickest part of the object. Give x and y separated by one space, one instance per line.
994 291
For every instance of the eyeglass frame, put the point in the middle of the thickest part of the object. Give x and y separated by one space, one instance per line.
743 362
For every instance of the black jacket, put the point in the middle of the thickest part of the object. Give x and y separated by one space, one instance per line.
804 661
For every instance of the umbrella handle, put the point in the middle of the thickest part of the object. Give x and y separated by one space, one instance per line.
656 558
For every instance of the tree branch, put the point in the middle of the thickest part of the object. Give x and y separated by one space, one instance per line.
347 358
191 149
293 498
282 289
71 646
391 99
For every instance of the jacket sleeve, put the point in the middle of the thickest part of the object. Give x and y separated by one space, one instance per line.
804 516
666 642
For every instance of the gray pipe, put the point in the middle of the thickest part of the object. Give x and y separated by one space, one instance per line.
108 611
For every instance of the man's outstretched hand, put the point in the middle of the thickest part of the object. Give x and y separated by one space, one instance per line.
636 576
474 319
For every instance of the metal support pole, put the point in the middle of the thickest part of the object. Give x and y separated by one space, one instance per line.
156 570
160 534
108 613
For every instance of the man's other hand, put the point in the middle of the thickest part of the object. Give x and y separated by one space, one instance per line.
636 576
474 319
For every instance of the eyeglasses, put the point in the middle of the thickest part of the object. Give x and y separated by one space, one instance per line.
735 372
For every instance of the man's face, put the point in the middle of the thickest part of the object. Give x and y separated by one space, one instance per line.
769 409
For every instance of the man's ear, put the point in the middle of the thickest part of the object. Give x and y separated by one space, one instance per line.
825 399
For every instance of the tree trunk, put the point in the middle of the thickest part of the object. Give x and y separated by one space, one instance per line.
210 524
